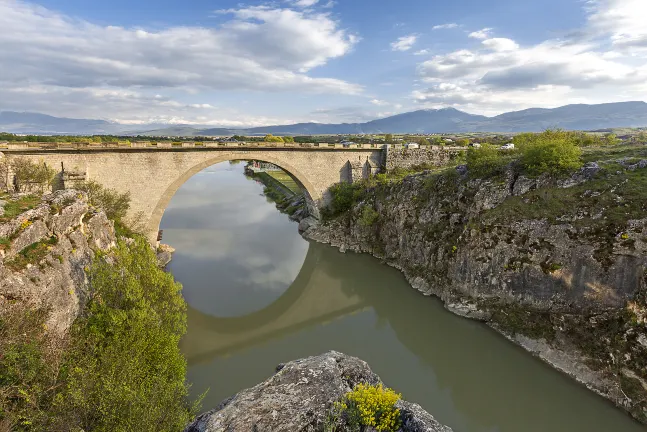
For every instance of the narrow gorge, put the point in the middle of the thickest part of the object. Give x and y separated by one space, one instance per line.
558 265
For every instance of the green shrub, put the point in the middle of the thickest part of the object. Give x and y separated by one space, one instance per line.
551 152
366 405
120 370
28 369
125 370
113 203
369 216
343 197
487 160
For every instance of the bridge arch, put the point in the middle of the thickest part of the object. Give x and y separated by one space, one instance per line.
312 194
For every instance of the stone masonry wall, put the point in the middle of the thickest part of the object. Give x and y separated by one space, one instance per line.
406 158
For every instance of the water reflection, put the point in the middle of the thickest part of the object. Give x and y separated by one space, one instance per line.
227 235
465 374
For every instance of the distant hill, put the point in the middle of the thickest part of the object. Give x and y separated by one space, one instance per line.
446 120
35 123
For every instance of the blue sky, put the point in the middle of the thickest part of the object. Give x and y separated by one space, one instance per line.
253 63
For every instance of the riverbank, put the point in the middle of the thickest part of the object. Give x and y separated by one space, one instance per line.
284 192
556 265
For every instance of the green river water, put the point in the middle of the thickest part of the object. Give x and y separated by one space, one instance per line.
259 295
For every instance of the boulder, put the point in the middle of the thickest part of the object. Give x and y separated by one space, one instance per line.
299 396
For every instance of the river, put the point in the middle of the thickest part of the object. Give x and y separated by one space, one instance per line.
259 295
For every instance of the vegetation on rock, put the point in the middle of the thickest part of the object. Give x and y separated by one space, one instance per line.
366 406
119 368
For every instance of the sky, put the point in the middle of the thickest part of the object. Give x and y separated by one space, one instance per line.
254 63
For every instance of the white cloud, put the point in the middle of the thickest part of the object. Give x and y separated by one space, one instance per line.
379 102
255 49
305 3
445 26
481 34
404 43
421 52
500 44
623 20
605 63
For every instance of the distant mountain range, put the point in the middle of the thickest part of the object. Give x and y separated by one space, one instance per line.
446 120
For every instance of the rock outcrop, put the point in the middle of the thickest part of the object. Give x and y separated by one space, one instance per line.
557 265
46 252
299 396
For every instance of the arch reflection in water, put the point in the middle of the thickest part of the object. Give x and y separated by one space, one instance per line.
465 374
235 252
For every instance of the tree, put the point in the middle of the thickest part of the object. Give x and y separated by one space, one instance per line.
552 151
423 142
272 138
125 370
288 139
388 138
28 176
464 142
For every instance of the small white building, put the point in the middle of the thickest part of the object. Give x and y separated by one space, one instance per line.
412 145
508 146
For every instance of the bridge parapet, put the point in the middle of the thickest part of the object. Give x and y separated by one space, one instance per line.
152 145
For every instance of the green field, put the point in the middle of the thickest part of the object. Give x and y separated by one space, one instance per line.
286 180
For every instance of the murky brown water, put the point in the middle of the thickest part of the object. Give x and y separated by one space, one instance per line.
260 295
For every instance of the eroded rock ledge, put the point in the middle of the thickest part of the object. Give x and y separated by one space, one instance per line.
566 282
46 252
299 396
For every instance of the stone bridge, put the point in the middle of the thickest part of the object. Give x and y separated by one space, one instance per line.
153 172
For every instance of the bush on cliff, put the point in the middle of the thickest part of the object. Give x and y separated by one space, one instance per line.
120 369
487 160
126 371
550 152
113 203
365 405
343 197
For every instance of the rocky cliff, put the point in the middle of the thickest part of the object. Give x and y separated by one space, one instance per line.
299 397
557 265
45 252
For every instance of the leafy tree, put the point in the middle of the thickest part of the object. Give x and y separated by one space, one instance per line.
551 151
28 176
272 138
288 139
388 138
423 142
464 142
126 371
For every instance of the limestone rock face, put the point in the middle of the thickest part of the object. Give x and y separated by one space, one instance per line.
57 278
565 281
298 397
